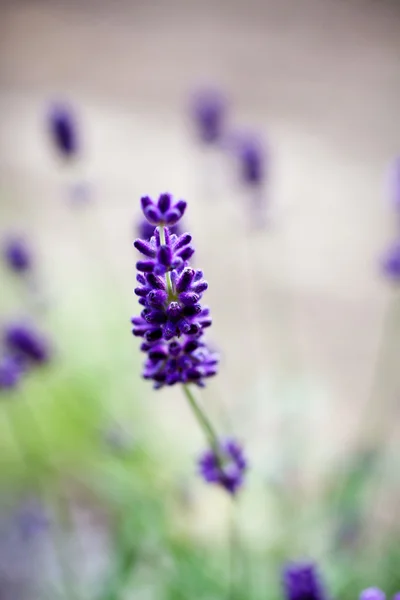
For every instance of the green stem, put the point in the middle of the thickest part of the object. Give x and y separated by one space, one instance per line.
167 274
202 420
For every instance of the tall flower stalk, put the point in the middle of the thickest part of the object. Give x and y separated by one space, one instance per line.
172 324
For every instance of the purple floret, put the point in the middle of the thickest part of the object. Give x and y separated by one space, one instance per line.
166 211
227 469
185 361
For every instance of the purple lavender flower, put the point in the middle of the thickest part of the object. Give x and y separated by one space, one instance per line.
63 130
17 255
172 320
252 160
172 324
391 262
301 582
26 344
251 156
10 373
372 594
209 111
146 231
225 469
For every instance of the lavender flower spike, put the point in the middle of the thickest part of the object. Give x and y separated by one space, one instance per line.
63 130
209 111
252 160
301 582
172 319
172 324
26 344
372 594
226 468
17 255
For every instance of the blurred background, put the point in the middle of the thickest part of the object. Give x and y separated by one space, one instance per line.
99 496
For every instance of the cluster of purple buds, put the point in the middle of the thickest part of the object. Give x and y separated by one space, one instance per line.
17 255
24 348
209 112
227 468
172 319
63 130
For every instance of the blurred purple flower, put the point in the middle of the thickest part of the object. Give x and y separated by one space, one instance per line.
391 262
63 130
252 159
26 344
225 469
209 109
17 255
301 582
372 594
10 373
